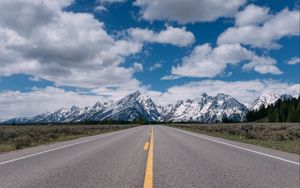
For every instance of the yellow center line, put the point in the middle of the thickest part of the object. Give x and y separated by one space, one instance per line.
148 181
146 146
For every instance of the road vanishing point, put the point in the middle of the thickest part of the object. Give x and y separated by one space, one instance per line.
149 156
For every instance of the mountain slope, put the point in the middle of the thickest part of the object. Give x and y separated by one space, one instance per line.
266 100
207 109
129 108
88 112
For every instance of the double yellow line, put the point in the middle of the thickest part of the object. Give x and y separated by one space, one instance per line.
148 181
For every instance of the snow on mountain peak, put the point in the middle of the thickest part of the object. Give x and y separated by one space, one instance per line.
267 99
269 95
131 107
135 94
205 108
264 100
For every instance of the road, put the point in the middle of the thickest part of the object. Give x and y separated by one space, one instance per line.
179 159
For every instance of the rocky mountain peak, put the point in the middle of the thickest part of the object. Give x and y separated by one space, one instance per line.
205 108
266 99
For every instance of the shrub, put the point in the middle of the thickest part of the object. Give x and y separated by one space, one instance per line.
23 141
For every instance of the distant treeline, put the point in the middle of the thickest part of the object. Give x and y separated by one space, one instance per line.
281 111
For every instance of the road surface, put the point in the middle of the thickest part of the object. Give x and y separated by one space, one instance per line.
120 159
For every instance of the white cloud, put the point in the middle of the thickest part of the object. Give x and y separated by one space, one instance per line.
262 65
115 92
252 15
101 5
100 9
170 77
174 36
283 24
205 61
138 67
155 66
244 91
187 11
39 39
293 61
16 103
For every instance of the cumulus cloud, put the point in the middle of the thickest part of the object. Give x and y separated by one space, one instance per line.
115 92
251 15
248 32
262 65
244 91
205 61
174 36
188 11
293 61
38 38
16 103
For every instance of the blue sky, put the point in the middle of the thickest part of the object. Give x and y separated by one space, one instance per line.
58 53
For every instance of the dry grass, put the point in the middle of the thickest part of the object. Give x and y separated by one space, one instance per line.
18 137
280 136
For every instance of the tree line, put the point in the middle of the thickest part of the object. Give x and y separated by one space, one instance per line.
281 111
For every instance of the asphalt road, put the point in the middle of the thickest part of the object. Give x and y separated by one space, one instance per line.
181 159
110 160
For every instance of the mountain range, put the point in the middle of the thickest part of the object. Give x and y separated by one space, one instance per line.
205 109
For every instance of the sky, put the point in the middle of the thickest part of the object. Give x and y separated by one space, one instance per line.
61 53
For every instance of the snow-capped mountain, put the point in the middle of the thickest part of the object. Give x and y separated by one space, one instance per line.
61 115
266 100
129 108
164 111
207 109
88 113
18 120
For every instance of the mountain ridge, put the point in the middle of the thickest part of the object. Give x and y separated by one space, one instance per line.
267 99
204 109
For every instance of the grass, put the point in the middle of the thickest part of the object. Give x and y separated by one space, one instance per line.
18 137
279 136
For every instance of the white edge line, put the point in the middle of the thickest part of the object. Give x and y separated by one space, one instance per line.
58 148
234 146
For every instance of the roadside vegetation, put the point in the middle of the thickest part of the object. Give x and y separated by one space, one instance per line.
280 136
18 137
